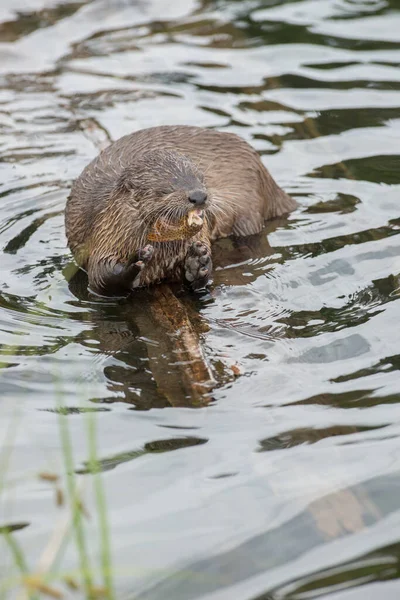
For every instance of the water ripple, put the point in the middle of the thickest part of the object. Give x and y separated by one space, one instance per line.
289 487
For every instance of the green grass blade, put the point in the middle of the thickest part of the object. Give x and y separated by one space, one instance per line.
77 520
19 558
94 466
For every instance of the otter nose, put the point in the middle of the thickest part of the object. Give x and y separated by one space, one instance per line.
197 197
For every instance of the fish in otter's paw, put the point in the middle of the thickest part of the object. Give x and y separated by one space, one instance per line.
149 206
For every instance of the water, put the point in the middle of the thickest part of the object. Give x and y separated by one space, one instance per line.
286 486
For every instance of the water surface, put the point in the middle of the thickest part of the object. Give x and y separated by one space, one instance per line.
286 486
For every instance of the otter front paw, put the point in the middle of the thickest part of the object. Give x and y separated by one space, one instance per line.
198 265
113 278
136 264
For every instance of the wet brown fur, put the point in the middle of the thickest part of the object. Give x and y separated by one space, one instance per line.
119 195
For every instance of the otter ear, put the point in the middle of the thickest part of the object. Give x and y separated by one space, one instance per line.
126 181
126 184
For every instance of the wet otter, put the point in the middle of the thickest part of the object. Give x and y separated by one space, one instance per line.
177 187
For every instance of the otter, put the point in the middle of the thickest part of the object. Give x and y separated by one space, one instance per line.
150 205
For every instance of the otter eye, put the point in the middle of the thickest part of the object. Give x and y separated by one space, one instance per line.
161 193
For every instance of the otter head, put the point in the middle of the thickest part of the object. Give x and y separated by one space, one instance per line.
169 192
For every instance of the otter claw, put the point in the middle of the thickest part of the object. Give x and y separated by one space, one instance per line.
141 257
198 265
203 273
145 254
138 262
199 248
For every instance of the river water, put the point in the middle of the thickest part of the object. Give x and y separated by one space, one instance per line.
286 485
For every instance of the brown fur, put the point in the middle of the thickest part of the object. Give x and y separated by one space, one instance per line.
120 194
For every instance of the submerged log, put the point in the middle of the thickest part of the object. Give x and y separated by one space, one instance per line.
176 357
